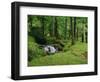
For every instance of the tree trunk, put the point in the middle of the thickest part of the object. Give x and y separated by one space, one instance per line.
82 37
53 26
77 34
82 32
65 28
31 22
56 28
42 25
72 30
86 36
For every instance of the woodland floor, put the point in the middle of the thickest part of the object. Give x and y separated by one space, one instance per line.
76 54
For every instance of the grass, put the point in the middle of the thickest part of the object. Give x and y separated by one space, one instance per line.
76 54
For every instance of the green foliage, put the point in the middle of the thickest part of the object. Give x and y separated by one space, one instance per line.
50 40
67 34
33 49
67 46
59 44
71 57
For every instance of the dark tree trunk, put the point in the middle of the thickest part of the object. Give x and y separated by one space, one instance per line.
50 29
31 22
83 31
42 25
65 28
53 26
86 37
82 37
72 30
77 30
56 28
77 34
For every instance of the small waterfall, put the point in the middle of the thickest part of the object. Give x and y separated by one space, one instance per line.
50 49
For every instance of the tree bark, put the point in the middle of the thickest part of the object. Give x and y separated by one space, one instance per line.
56 28
86 36
65 28
83 32
42 25
72 30
82 37
77 33
53 26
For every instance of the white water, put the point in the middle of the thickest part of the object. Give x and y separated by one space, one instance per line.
50 49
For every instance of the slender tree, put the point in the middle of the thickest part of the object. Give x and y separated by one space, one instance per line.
77 34
77 30
86 34
65 34
82 37
72 30
56 28
42 24
83 30
53 26
50 27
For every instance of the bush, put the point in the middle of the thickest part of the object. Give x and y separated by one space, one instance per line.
53 40
60 42
30 55
57 43
37 34
67 46
33 49
50 40
58 47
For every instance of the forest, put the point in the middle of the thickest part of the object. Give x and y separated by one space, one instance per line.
57 40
